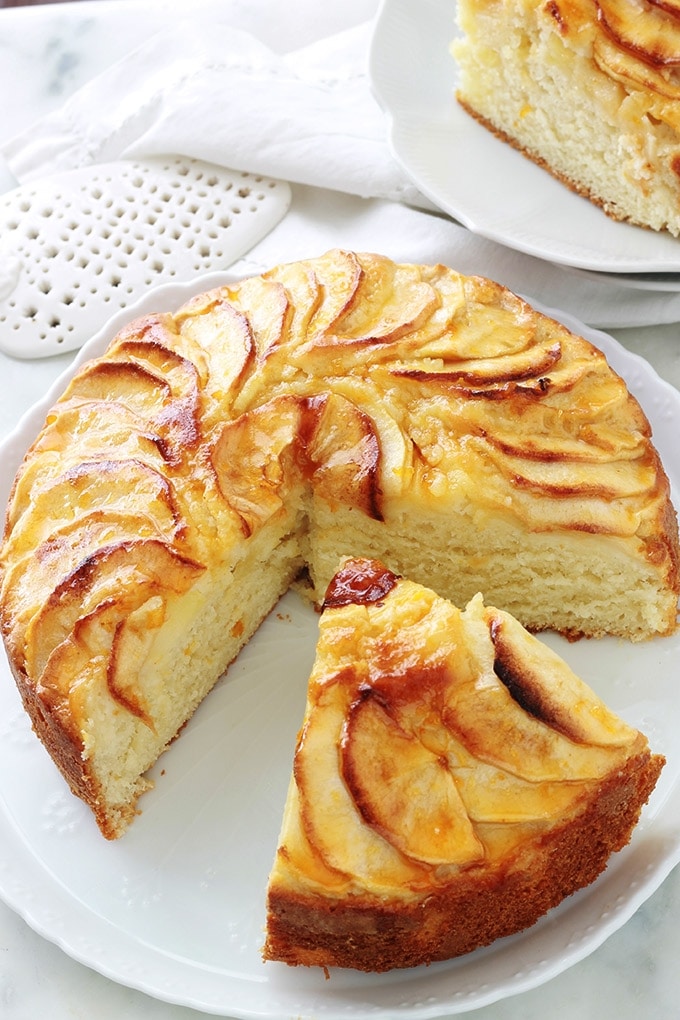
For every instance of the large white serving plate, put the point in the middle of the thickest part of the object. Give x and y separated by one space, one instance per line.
176 907
479 180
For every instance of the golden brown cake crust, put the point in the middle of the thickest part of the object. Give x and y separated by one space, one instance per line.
474 911
576 186
55 730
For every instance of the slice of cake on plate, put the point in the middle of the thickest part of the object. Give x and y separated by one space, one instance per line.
589 89
453 780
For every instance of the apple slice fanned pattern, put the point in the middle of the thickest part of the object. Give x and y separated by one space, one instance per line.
453 779
345 405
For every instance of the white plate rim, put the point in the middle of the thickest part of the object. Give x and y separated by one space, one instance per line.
463 168
659 283
56 913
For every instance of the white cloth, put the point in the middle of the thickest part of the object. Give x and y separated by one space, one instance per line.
319 219
206 89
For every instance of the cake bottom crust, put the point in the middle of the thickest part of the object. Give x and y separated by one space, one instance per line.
578 187
372 934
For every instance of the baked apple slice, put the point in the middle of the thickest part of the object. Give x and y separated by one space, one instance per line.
404 790
671 6
624 67
648 32
330 817
453 781
500 727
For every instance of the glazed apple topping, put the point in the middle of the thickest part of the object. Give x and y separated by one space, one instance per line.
425 724
648 31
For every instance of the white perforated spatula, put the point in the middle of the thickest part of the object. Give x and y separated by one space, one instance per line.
77 247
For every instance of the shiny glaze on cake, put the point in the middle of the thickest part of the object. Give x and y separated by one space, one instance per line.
453 780
343 405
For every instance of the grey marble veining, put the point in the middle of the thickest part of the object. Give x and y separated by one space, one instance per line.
45 54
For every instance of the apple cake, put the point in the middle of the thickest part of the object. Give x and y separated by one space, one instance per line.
588 89
453 781
344 405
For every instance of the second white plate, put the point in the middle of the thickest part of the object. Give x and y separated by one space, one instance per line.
470 174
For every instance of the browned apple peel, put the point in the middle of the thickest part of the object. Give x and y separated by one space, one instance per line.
644 29
433 722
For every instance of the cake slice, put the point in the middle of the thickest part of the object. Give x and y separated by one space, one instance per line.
589 89
453 780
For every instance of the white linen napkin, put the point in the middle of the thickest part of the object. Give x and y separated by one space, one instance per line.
205 89
208 90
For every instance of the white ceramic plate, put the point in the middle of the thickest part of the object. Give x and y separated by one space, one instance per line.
176 907
479 180
663 283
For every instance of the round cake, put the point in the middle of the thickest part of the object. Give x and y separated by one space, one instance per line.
341 406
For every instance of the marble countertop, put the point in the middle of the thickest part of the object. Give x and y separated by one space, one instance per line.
45 54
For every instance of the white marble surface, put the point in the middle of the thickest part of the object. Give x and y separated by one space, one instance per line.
45 54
